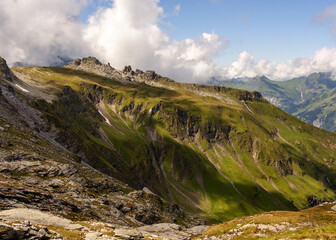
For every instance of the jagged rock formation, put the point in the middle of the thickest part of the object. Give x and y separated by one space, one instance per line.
5 72
127 75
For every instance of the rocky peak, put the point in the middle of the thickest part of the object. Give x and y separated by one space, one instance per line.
93 65
127 69
5 72
150 75
88 62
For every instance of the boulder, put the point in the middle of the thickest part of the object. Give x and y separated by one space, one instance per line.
128 233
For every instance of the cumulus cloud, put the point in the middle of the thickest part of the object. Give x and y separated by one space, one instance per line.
40 31
124 32
129 33
324 60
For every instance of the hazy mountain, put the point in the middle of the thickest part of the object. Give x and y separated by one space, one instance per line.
77 140
311 98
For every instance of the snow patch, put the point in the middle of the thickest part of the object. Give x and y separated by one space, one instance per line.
273 100
146 190
317 122
18 86
106 120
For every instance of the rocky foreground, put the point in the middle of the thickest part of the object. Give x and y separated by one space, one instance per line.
24 223
315 223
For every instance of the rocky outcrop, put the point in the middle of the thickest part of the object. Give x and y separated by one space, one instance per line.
93 65
23 231
250 96
24 223
5 72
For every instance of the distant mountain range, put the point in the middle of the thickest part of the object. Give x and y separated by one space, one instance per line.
311 98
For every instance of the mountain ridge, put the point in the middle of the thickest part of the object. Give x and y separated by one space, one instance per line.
204 124
309 98
217 152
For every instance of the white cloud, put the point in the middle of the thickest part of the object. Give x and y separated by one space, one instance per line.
38 31
177 9
328 17
324 60
128 32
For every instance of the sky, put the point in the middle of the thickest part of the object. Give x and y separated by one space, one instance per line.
187 40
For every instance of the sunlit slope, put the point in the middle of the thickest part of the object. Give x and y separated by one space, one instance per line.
219 152
311 98
313 223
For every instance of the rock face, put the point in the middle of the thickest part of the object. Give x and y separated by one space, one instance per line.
93 65
5 72
126 76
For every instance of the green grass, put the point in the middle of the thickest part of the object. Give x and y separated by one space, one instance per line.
314 223
208 153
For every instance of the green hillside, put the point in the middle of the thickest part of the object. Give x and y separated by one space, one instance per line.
311 98
218 152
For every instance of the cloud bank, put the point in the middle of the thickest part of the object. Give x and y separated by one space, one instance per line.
324 60
41 32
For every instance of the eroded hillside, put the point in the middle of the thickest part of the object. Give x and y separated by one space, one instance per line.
47 192
218 152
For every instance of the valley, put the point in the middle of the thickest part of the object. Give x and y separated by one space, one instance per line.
205 154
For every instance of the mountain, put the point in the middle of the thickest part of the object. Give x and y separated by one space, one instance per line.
311 98
46 188
87 142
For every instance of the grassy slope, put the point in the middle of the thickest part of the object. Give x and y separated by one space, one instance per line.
313 223
308 98
216 156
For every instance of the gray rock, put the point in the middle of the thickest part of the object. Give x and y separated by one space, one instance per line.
42 233
165 230
34 216
150 75
74 227
9 233
97 236
136 194
128 233
116 213
197 230
333 208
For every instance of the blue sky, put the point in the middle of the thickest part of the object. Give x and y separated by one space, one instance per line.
273 30
187 40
